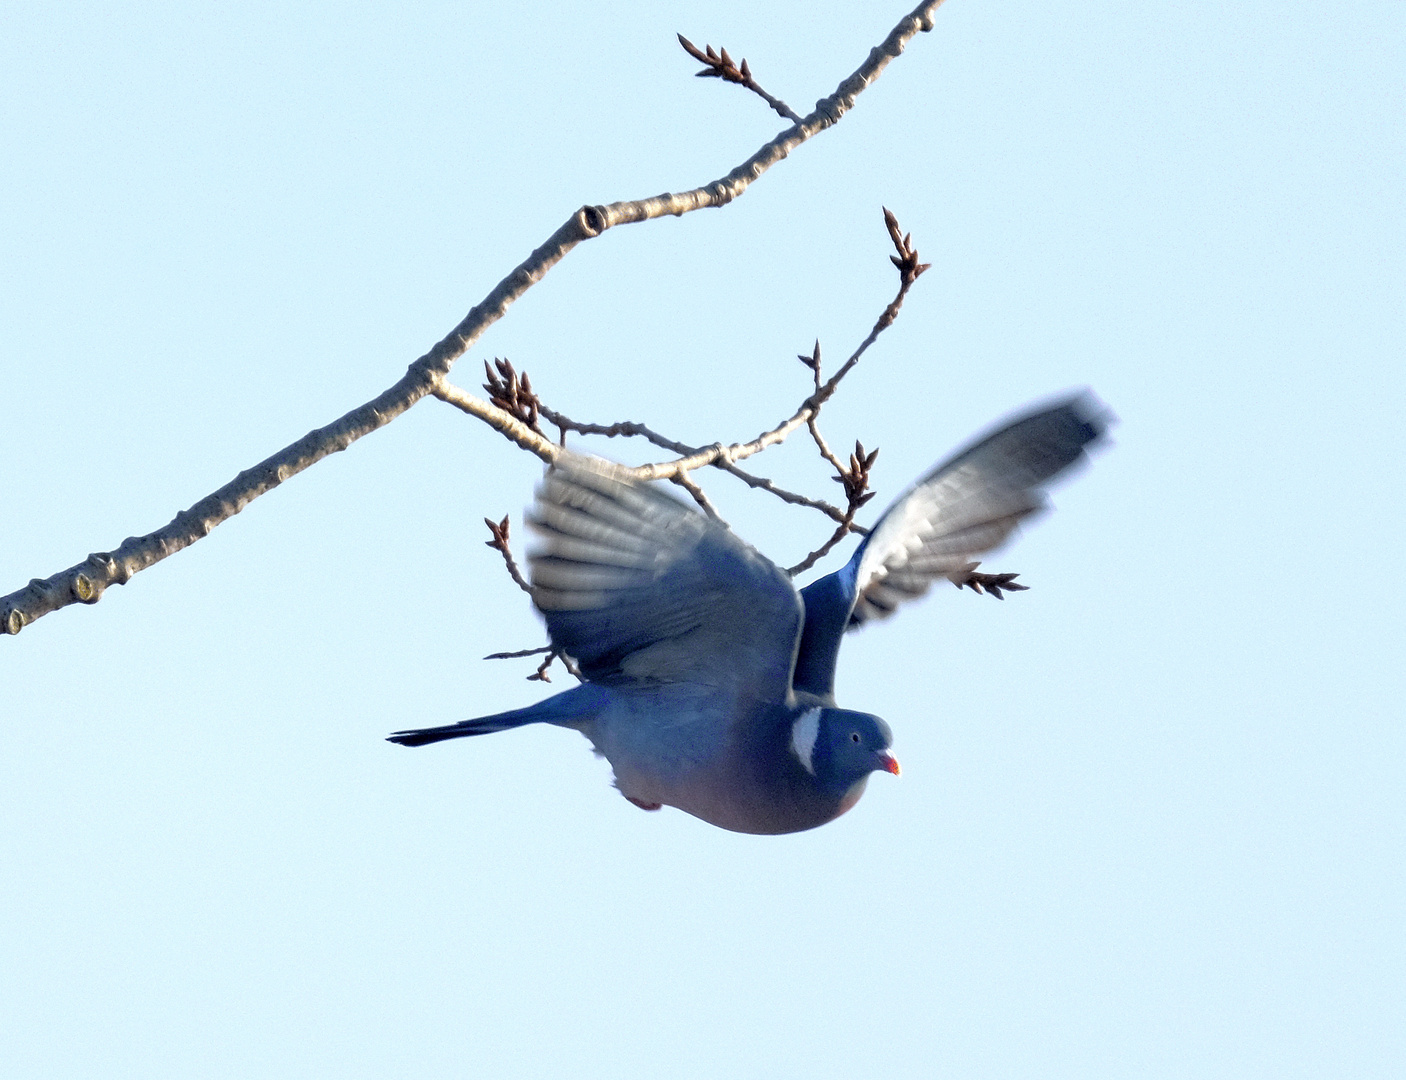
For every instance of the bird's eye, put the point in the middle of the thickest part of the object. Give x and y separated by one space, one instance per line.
854 736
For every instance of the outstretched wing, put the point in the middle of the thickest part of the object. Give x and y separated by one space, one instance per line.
636 584
963 508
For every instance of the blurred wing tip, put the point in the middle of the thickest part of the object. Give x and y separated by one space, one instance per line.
1091 411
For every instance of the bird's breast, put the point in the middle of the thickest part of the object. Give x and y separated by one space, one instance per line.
725 762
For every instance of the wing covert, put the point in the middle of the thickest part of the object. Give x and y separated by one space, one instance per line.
635 584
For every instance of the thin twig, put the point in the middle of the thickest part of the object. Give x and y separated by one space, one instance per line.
813 362
512 393
87 581
855 478
540 675
909 270
990 583
632 429
720 66
504 388
710 455
499 543
821 444
841 531
511 427
517 654
687 482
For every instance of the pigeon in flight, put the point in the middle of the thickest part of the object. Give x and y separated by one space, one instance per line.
709 677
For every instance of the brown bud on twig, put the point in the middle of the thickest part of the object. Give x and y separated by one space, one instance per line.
992 584
499 529
718 65
499 543
907 258
813 360
513 393
855 478
540 675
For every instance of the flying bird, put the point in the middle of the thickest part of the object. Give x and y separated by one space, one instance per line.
709 677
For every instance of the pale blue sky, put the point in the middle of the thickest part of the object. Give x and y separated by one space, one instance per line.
1151 821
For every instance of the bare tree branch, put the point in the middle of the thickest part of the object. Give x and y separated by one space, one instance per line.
909 270
841 531
687 482
513 394
499 543
87 581
511 427
631 428
721 67
855 478
540 675
518 654
813 362
990 583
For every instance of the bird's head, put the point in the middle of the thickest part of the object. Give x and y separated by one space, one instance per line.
840 748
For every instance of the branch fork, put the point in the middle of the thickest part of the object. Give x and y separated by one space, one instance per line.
514 417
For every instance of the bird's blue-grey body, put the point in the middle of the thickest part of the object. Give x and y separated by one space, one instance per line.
709 678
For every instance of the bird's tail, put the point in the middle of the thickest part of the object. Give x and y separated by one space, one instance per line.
579 703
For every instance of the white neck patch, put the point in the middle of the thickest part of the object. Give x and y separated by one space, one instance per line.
804 732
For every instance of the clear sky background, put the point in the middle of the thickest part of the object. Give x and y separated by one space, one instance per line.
1151 821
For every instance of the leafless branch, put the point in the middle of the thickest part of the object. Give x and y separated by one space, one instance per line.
813 362
720 66
687 482
499 543
841 531
855 478
710 455
552 654
909 270
990 583
510 427
512 394
518 654
540 675
631 428
87 581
